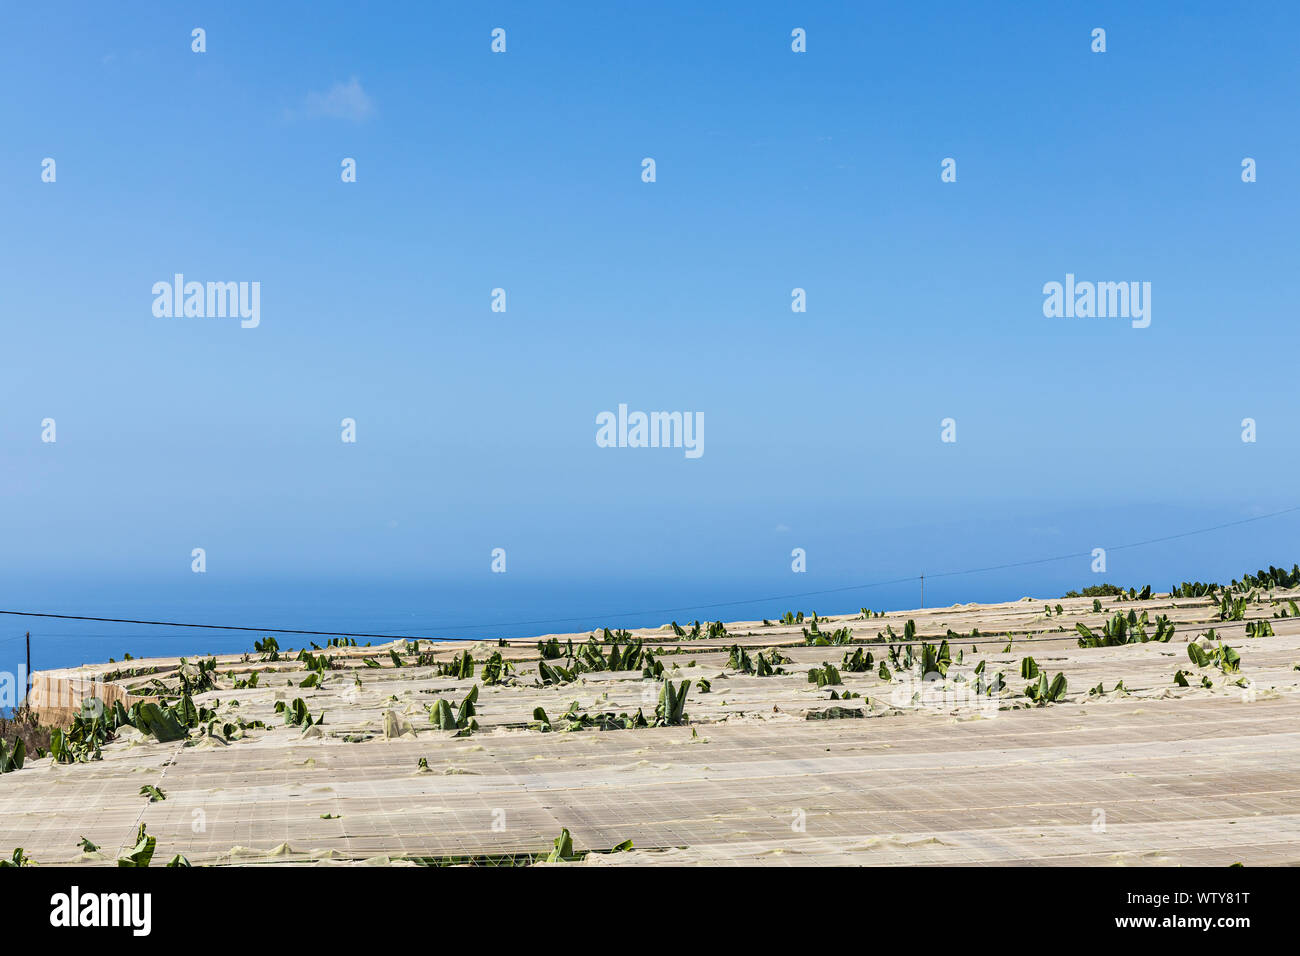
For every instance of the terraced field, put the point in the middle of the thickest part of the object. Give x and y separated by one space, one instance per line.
1145 752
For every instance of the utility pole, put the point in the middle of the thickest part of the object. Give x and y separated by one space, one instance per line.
27 694
922 590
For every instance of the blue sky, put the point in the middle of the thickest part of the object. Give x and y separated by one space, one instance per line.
522 170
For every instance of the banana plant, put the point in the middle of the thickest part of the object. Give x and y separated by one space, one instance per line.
629 659
563 850
442 716
197 677
1044 693
496 670
740 660
140 854
991 687
824 676
461 667
819 638
550 650
652 668
1232 609
671 709
935 660
555 674
577 719
297 714
162 724
11 760
858 663
1218 654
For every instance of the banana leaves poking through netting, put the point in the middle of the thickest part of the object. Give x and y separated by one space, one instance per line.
297 714
740 660
552 649
1292 610
1044 693
671 709
824 676
461 719
935 660
11 760
142 852
1260 628
1125 629
461 667
198 676
818 638
317 665
96 725
1193 589
575 718
762 664
555 674
835 713
1232 609
715 630
497 670
1217 654
1272 578
630 658
858 663
563 848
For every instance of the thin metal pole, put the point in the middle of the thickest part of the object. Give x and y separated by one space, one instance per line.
28 692
922 590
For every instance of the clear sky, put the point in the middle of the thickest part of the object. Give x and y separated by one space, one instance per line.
774 170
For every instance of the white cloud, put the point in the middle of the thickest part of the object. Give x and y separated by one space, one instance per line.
341 101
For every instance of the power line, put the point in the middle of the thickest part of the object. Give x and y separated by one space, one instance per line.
648 611
212 627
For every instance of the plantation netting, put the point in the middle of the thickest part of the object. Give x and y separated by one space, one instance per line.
1130 766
